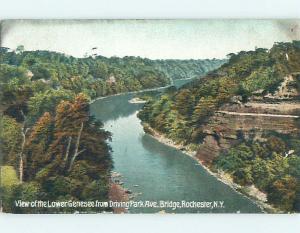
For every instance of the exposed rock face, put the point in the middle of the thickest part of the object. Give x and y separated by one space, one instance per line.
212 146
235 120
225 129
265 107
226 124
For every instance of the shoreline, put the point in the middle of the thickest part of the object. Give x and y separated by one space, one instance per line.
251 192
130 92
117 192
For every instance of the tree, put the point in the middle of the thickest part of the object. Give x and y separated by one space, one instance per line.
76 152
38 143
276 144
262 173
27 191
283 192
205 107
227 88
20 49
22 155
243 176
11 139
184 102
46 102
100 70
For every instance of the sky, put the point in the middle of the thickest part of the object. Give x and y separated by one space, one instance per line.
154 39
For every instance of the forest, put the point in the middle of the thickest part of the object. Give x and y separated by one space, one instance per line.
51 148
181 115
100 76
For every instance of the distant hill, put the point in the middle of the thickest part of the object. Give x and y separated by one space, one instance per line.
101 76
187 69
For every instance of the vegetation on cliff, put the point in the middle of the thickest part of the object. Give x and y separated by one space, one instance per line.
62 156
182 115
273 166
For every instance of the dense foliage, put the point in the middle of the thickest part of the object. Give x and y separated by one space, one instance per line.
186 69
93 76
52 149
268 166
181 115
62 156
100 76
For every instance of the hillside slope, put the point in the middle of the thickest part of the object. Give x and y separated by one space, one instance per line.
242 118
101 76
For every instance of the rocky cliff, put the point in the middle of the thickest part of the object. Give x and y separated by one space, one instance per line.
234 121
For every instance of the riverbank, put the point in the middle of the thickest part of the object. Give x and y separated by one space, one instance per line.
117 192
131 92
250 192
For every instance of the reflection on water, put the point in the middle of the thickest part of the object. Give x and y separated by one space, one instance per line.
118 106
114 107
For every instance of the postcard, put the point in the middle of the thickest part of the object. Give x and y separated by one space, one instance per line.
150 116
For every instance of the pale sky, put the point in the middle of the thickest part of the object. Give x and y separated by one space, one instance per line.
155 39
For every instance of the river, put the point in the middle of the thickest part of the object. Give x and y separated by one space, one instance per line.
158 172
